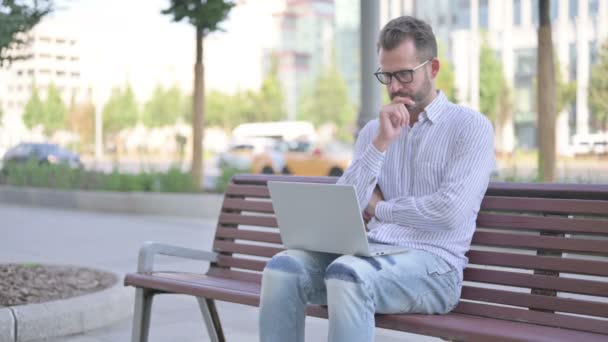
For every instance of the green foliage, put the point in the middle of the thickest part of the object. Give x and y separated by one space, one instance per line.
81 119
492 81
63 177
51 113
327 101
269 102
164 107
566 91
55 111
445 78
18 17
33 111
205 15
120 111
598 88
223 180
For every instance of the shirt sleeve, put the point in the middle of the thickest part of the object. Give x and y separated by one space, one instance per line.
461 191
365 166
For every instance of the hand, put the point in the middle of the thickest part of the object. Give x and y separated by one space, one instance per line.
371 206
393 117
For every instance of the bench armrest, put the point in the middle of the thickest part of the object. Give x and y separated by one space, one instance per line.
149 249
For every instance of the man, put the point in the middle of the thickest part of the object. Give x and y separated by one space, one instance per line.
420 171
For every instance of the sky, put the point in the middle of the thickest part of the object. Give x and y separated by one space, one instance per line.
132 41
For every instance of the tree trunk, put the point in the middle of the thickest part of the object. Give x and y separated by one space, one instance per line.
198 114
546 97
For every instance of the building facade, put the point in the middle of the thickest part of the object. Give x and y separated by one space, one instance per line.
54 58
579 28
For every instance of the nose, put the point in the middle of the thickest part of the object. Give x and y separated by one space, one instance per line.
394 86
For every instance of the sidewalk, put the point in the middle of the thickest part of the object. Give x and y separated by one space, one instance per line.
111 242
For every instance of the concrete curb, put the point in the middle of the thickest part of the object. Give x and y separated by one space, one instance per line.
7 325
206 206
69 316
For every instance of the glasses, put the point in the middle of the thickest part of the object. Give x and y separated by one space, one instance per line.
403 76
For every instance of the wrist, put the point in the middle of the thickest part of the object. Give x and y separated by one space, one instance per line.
380 144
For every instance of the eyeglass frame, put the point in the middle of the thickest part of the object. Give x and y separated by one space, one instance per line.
394 74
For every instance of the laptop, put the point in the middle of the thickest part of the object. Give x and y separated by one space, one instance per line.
323 218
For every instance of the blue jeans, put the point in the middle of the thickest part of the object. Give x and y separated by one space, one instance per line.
354 289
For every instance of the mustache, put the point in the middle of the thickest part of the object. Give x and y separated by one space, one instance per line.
400 94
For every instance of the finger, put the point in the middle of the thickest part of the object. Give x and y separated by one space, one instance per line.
403 100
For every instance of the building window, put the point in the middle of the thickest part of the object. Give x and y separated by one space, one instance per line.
60 41
44 56
45 39
45 71
483 14
19 72
461 14
573 61
572 9
517 13
30 72
594 7
60 58
74 59
75 74
60 73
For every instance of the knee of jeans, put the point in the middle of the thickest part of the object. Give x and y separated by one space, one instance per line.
284 263
340 271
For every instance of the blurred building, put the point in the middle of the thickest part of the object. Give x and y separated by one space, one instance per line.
304 45
579 28
54 58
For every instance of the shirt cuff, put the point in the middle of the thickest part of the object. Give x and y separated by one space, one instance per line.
373 159
384 211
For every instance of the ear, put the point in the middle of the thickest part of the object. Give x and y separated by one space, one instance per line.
435 66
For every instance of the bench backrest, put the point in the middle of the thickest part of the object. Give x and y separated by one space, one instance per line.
539 253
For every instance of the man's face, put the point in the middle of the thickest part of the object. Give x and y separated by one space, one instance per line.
403 57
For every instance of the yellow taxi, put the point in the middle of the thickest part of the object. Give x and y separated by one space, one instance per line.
304 158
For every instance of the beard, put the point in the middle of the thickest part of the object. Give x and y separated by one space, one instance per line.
418 96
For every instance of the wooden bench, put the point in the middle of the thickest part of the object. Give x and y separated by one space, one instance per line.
538 265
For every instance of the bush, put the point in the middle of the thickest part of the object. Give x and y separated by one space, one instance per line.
224 179
63 177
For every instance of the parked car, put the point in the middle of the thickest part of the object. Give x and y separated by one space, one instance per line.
42 153
304 158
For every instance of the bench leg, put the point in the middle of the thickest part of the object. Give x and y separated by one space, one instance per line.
212 319
141 315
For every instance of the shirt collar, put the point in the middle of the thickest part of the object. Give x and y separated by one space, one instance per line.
433 111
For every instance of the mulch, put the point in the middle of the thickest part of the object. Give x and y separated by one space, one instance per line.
35 283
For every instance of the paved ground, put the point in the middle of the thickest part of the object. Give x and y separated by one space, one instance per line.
110 242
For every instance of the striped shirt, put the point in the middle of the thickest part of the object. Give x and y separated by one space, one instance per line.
433 178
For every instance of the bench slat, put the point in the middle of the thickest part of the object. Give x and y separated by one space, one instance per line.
262 179
231 247
545 205
533 262
578 286
242 234
246 264
526 300
535 317
247 191
249 220
563 244
247 205
542 223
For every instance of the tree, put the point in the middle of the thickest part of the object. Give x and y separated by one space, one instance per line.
50 114
546 96
445 78
164 107
16 18
270 99
81 119
491 75
120 111
34 109
205 16
327 101
598 88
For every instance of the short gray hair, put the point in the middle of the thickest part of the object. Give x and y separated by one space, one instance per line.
400 29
